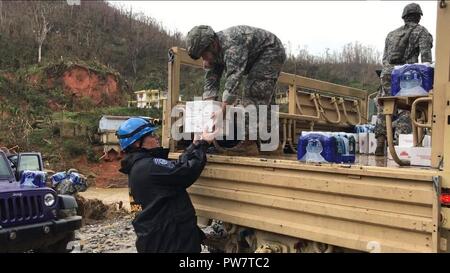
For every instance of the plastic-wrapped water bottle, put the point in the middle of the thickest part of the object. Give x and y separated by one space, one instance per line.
75 178
58 177
351 144
411 84
410 79
313 151
310 144
347 149
33 179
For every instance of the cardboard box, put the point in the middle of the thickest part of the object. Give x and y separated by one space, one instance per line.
198 115
363 140
374 120
404 153
372 143
405 140
421 156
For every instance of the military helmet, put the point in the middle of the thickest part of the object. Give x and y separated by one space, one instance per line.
411 9
198 39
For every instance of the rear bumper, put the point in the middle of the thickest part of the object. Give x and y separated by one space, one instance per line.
22 238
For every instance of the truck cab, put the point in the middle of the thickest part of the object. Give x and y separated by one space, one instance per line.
33 218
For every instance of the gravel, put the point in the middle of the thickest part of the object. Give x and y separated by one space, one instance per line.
114 235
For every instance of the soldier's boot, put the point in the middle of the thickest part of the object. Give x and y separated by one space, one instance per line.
244 148
381 146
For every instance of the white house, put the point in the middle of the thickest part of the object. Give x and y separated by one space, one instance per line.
149 98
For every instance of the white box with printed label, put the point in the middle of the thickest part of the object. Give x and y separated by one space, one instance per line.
198 115
363 140
405 140
374 120
404 153
421 156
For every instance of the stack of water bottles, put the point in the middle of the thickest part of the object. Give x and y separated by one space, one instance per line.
366 138
69 182
412 79
331 147
33 179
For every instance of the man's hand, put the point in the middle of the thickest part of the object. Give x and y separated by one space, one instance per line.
208 137
220 112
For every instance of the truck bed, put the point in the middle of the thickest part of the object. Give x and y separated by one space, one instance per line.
351 206
362 160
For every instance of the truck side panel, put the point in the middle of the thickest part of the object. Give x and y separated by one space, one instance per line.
323 203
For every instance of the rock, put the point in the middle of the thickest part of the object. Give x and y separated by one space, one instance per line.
110 235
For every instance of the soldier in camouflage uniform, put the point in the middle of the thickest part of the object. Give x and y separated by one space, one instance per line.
235 52
402 46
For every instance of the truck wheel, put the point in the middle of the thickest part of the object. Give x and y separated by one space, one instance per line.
322 248
60 246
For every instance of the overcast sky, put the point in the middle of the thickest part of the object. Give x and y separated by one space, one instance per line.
316 25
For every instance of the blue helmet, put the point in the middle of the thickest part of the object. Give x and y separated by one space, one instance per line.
132 130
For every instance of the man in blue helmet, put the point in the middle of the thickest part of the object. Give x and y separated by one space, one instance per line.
167 220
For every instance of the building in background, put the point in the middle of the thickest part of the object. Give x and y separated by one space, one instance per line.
281 98
151 98
107 127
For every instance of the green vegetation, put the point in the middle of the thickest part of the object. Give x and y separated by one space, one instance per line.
354 65
91 155
36 110
94 33
90 119
74 148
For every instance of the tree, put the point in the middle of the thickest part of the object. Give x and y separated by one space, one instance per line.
41 25
136 41
1 12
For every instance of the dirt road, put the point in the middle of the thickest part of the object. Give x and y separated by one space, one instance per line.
112 234
115 233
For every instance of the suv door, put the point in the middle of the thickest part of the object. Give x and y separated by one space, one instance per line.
30 162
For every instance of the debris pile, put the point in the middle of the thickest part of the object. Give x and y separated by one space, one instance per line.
94 210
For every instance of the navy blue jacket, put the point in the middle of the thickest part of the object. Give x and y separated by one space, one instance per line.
167 222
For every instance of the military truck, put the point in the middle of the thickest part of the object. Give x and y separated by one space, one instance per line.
33 218
278 204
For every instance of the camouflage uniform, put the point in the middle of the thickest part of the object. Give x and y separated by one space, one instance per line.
249 51
420 42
